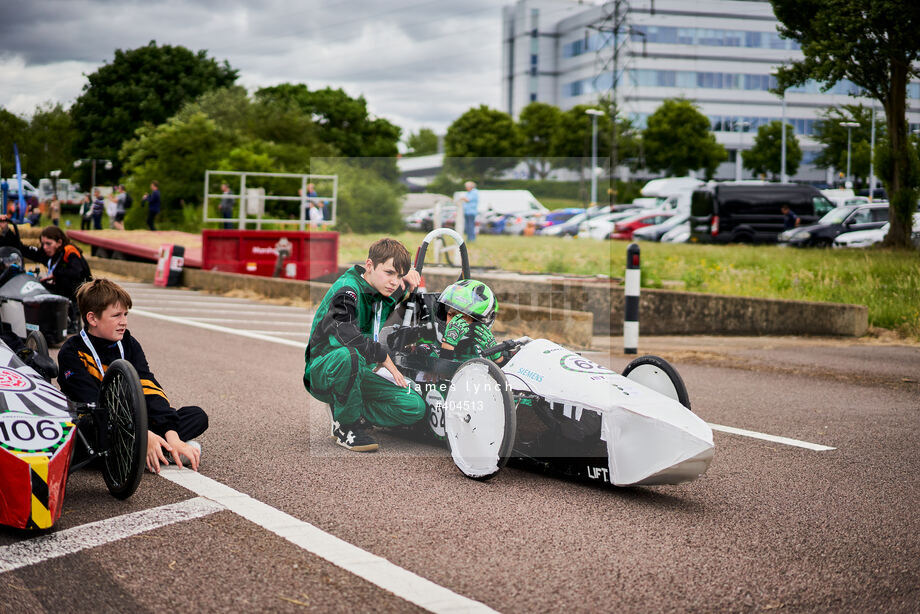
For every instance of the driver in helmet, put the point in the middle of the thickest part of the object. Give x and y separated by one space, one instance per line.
470 312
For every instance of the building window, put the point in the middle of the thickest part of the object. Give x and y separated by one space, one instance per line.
533 97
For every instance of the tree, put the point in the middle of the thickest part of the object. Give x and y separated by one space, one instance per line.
875 46
50 140
422 143
175 153
539 124
766 154
13 129
481 142
147 85
833 136
678 140
343 123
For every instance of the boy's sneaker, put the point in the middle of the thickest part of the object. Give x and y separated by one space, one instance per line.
185 461
353 437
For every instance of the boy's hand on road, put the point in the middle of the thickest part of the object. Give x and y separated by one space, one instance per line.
397 376
190 452
156 452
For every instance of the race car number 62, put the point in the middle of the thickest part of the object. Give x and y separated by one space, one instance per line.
28 435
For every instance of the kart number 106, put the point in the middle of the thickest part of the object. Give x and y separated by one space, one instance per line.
26 434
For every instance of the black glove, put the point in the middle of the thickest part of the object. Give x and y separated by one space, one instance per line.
45 367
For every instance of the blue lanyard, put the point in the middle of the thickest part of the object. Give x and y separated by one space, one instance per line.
377 315
121 350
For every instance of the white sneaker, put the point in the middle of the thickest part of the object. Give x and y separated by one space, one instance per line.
185 461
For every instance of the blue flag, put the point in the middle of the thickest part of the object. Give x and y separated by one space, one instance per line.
22 208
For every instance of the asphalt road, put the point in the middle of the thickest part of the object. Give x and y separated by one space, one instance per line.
769 527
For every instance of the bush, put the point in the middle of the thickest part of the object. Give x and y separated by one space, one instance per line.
367 202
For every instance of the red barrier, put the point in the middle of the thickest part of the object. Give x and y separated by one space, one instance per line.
312 254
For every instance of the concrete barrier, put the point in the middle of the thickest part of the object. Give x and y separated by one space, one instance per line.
558 304
668 312
569 327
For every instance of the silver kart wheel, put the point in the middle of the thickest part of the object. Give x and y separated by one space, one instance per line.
479 419
658 374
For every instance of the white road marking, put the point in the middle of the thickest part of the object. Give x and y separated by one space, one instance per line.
376 570
774 438
159 301
249 321
68 541
220 329
209 310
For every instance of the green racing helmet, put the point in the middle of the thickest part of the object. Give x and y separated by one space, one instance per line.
471 297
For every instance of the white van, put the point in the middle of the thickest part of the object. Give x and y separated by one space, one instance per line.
504 201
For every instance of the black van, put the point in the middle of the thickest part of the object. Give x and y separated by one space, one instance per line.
751 212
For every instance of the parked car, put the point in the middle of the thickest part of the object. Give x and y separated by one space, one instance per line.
557 217
600 227
570 226
866 238
416 220
516 223
656 231
623 230
678 234
751 212
836 221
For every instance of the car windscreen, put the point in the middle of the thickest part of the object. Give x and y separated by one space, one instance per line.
836 216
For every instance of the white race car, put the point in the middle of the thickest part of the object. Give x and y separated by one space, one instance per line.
549 407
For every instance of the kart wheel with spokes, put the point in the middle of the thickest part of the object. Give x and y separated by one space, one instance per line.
479 419
658 374
36 342
124 408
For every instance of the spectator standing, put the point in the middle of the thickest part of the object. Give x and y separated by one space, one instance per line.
86 213
152 200
97 210
54 211
33 214
122 201
226 206
470 209
316 214
790 219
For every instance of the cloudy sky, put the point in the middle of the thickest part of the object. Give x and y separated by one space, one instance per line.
419 63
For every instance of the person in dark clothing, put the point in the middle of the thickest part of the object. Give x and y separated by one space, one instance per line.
346 365
83 360
790 219
152 200
9 232
97 209
67 268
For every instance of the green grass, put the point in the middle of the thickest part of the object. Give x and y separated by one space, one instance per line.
886 281
561 203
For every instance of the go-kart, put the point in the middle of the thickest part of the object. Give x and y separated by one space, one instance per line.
547 406
26 305
43 437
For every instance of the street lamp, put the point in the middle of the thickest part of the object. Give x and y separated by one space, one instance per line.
849 126
55 174
594 113
741 126
108 167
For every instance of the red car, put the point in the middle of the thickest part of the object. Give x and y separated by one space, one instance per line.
624 229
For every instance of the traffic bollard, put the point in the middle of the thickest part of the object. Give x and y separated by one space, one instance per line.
631 311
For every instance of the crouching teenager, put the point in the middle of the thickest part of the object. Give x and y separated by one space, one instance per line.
344 351
84 358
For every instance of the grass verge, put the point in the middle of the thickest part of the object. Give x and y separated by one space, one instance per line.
886 281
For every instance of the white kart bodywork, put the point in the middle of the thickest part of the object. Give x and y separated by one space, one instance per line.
651 438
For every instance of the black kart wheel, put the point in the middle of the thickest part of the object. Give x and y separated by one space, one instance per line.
125 410
480 419
36 342
658 374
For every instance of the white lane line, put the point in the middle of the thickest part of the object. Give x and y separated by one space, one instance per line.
249 321
774 438
153 299
209 310
220 329
376 570
68 541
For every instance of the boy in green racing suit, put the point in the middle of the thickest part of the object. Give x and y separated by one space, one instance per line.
471 310
344 350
